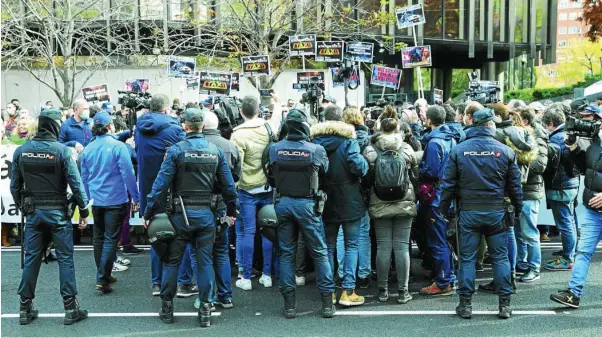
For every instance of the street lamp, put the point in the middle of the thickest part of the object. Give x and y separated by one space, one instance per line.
523 61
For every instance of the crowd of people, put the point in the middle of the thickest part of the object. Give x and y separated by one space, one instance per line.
461 182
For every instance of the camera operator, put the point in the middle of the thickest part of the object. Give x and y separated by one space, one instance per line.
121 122
589 161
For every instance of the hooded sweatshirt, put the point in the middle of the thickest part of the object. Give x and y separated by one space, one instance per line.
347 166
438 145
155 133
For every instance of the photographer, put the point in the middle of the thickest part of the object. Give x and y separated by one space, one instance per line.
589 162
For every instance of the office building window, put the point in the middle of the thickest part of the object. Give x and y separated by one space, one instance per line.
575 30
562 16
573 16
562 30
563 4
562 43
577 3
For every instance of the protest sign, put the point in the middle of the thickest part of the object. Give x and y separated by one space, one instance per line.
183 67
193 82
417 56
235 84
302 45
214 83
329 51
354 81
410 16
138 85
437 96
360 51
304 77
385 76
96 93
255 65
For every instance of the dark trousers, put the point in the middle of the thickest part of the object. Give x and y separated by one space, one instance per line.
60 230
107 230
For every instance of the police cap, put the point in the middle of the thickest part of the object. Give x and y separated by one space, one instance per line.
51 113
484 115
193 115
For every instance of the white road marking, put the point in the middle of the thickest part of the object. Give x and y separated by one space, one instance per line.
426 313
113 314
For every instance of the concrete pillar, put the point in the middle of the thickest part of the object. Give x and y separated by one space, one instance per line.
408 84
499 71
437 78
447 83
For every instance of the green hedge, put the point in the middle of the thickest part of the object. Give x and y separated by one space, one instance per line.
531 94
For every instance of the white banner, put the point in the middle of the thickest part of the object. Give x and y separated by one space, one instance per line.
10 212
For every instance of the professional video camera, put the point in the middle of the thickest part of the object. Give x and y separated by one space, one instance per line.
576 127
484 92
382 103
228 114
313 91
135 101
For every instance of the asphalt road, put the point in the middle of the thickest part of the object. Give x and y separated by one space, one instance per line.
131 310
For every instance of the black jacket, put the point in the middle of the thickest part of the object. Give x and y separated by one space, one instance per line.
533 189
590 162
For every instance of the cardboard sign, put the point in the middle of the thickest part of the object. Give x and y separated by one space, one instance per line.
410 16
302 45
304 77
329 51
360 51
438 96
214 83
255 65
385 77
138 85
235 84
193 82
96 93
183 67
355 79
417 56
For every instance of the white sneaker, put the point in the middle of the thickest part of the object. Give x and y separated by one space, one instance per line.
122 261
266 281
119 268
300 281
244 284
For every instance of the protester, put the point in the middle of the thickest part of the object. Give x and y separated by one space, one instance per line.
24 131
76 131
10 118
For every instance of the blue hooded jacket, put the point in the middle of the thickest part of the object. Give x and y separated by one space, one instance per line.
155 132
75 132
459 133
438 145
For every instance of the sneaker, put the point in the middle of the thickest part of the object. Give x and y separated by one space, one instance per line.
530 276
156 289
557 253
404 296
434 290
350 298
132 250
363 283
185 291
122 261
521 270
266 281
567 298
559 264
197 303
226 303
244 284
300 281
383 295
479 267
544 238
119 268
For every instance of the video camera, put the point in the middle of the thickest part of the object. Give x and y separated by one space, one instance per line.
313 91
576 127
482 92
134 101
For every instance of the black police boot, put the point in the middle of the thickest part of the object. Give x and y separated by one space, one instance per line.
328 308
504 307
166 313
72 312
464 309
204 317
290 304
26 312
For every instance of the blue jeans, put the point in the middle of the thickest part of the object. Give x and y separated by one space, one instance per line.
591 235
296 214
529 234
107 231
249 206
437 241
521 246
221 264
200 234
184 275
61 231
473 225
351 234
565 222
187 269
512 249
364 257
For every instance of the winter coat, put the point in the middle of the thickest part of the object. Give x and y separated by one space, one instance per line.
438 145
567 177
342 181
522 142
589 162
533 189
155 133
362 135
407 205
73 132
459 133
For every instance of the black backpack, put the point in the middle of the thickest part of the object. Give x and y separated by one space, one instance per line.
390 181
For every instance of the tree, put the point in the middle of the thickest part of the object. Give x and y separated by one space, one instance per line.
592 16
574 63
63 43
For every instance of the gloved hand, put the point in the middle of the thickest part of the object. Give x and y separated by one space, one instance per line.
84 213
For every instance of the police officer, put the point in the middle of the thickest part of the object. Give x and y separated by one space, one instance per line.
295 164
194 169
41 170
480 170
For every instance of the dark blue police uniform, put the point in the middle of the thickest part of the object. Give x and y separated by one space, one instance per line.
479 172
41 170
295 165
195 170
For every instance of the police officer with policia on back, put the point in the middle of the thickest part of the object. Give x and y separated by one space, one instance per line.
294 167
194 170
41 170
479 173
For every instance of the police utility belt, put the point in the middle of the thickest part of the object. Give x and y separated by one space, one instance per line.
195 203
31 203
